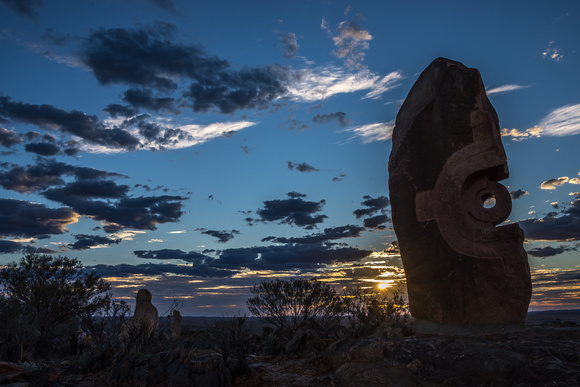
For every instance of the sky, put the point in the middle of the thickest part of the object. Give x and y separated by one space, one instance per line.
198 148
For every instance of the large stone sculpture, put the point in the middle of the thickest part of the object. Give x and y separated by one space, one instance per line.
464 274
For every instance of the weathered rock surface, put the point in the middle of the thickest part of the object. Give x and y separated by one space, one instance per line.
464 273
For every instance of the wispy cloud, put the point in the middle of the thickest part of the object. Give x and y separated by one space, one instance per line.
564 121
554 183
379 131
505 89
319 83
350 41
552 52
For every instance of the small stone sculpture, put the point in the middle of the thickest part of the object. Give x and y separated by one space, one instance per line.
145 316
176 325
464 274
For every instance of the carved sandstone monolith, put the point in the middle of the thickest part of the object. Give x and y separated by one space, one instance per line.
465 274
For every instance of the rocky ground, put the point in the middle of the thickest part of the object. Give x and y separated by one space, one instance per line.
546 353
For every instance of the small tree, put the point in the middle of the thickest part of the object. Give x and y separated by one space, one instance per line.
290 303
51 291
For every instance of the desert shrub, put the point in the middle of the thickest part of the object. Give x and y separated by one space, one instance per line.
230 337
139 337
47 292
271 345
293 302
367 309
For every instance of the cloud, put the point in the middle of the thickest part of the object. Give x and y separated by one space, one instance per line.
552 52
350 41
518 194
552 228
167 5
46 173
85 242
9 138
549 251
161 269
223 236
140 98
505 89
380 131
574 180
43 148
377 222
24 219
326 118
146 56
173 254
289 43
517 135
339 177
332 233
293 211
25 8
373 205
554 183
74 122
564 121
311 85
388 82
301 167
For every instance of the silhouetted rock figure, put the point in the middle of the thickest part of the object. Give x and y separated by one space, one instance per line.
176 325
464 274
145 318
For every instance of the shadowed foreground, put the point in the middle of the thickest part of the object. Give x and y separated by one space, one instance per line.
546 353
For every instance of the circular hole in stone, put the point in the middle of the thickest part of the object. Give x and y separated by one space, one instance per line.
488 201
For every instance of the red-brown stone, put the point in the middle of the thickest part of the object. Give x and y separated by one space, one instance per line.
463 270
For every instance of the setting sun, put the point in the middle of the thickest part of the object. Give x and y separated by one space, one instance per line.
383 285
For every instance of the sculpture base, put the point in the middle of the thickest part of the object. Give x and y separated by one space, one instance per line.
433 328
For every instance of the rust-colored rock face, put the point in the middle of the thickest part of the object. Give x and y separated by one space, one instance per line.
462 269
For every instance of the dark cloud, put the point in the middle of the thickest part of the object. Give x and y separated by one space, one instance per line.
301 167
45 173
340 117
339 177
553 228
24 219
117 110
26 8
149 269
169 254
43 148
373 205
148 57
145 99
85 242
74 122
235 90
223 236
141 213
295 211
519 193
377 222
332 233
10 247
289 43
549 251
9 138
304 257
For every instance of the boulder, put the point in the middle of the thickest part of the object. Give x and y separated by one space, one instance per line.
145 317
465 274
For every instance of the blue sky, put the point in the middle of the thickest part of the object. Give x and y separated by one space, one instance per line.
195 149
